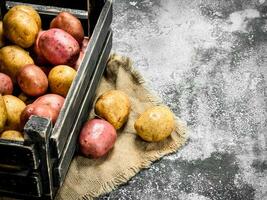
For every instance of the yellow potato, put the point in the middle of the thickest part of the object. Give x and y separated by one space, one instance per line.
155 124
60 79
2 39
20 28
12 135
30 11
114 106
14 107
3 115
12 58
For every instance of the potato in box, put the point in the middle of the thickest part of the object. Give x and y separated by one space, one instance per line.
14 107
12 58
20 27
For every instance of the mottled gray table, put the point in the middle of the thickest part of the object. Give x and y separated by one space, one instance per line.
207 59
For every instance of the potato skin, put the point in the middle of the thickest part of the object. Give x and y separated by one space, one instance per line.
12 135
12 58
96 138
37 54
60 79
20 28
59 47
2 38
40 110
70 24
155 124
48 105
6 85
32 80
14 107
30 11
3 111
114 106
54 101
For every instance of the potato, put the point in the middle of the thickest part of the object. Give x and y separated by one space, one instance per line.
32 80
37 54
82 52
12 58
40 110
14 107
6 85
30 11
54 101
70 24
12 135
97 138
20 28
48 105
114 106
2 38
155 124
59 47
3 115
60 79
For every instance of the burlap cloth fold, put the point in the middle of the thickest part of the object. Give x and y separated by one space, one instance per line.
88 178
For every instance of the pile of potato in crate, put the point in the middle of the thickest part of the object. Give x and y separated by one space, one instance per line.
37 66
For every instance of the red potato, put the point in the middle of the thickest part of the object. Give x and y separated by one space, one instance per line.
70 24
82 52
97 137
32 80
38 56
6 84
59 47
39 110
54 101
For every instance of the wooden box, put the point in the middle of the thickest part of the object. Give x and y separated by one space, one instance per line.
36 168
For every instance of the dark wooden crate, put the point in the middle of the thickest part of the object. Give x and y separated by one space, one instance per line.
36 168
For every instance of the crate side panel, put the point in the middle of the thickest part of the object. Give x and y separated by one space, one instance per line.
16 154
17 185
62 168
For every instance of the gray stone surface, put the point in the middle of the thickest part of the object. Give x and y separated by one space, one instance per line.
207 60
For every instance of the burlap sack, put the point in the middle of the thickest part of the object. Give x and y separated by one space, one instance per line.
88 178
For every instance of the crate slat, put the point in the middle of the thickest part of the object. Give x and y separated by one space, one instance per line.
39 129
16 154
20 186
77 4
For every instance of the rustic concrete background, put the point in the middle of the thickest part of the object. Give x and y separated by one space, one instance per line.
207 60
